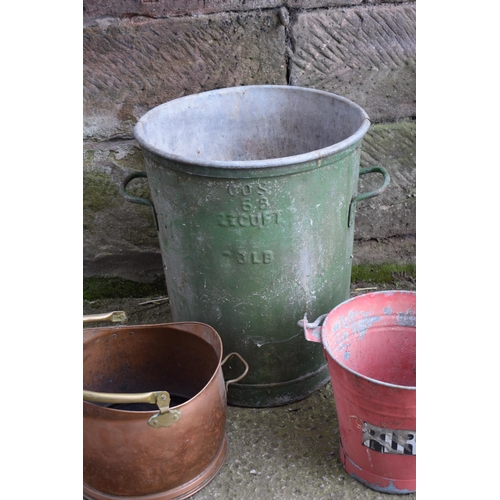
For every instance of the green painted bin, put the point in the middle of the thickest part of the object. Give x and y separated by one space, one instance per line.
254 192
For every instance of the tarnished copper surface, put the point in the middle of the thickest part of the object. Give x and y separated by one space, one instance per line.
125 457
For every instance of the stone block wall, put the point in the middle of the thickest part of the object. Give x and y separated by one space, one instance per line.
138 54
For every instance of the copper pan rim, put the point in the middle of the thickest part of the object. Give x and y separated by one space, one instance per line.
101 332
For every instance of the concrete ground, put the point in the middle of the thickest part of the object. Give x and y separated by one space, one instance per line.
286 452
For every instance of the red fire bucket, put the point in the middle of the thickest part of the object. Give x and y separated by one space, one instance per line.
369 342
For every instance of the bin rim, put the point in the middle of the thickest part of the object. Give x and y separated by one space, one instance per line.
314 155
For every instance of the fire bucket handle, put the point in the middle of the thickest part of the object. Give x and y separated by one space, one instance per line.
234 380
163 418
312 331
136 199
370 194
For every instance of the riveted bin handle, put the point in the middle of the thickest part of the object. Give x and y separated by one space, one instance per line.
234 380
370 194
135 199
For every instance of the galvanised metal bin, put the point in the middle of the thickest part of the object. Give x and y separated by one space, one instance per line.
254 191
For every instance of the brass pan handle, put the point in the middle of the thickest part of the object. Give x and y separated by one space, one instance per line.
118 398
234 380
114 316
163 418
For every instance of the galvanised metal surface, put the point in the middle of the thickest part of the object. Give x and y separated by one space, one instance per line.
254 191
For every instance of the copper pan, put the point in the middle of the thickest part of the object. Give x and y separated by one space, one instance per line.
154 410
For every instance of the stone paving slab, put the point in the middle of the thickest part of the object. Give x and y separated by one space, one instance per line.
133 65
165 8
365 53
392 213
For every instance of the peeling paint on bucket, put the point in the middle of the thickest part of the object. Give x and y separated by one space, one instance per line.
370 345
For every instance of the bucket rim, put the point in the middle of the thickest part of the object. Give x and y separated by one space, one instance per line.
99 331
314 155
357 374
